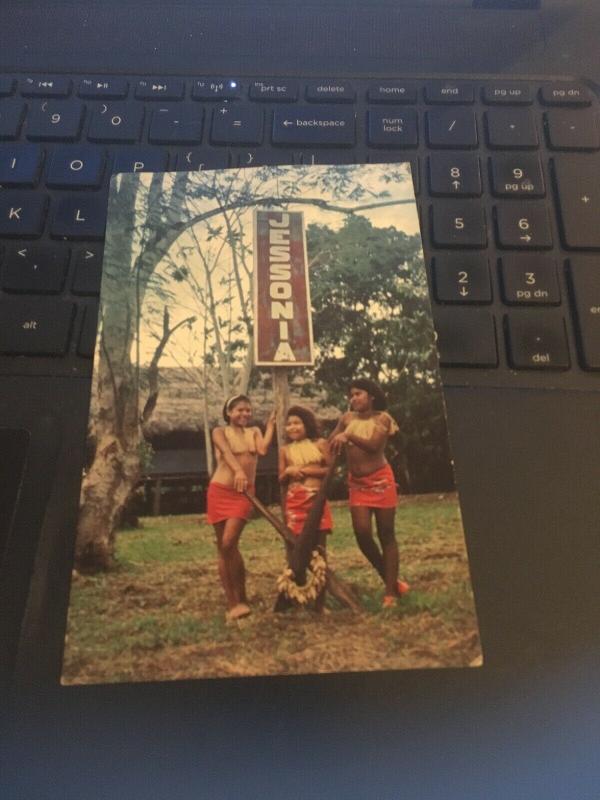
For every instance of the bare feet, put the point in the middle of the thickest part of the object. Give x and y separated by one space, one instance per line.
237 612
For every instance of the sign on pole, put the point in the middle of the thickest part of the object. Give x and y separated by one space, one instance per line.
282 317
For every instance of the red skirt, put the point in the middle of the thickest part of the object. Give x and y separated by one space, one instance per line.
298 502
224 502
376 490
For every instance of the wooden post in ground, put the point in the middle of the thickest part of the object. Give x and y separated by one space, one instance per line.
156 499
281 400
335 585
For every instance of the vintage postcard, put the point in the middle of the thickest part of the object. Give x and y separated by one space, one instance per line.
268 487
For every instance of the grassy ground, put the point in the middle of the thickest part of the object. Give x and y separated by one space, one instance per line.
160 614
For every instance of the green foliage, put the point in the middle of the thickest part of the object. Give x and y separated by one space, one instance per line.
372 318
145 453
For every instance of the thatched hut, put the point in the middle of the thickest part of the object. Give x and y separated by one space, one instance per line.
176 474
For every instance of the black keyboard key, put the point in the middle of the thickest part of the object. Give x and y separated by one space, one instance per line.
523 226
529 279
35 326
87 265
278 91
330 92
49 86
82 217
578 190
202 159
235 124
584 276
12 114
537 340
449 92
325 157
392 92
392 127
87 334
310 126
160 89
142 159
216 89
181 125
572 130
509 128
565 94
458 175
22 214
455 224
103 88
466 337
463 278
455 128
35 269
265 158
517 176
59 121
116 122
20 164
76 168
507 94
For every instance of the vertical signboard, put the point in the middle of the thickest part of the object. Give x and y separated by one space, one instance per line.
283 324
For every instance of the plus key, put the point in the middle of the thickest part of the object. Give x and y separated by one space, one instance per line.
578 190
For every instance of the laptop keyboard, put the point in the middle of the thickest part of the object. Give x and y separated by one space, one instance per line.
507 176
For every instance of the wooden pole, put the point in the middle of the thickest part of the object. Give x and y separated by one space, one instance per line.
335 585
157 494
281 399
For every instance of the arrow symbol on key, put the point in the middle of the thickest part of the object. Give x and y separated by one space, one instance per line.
22 253
88 255
526 238
287 122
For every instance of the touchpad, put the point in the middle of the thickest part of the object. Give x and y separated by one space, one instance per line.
14 445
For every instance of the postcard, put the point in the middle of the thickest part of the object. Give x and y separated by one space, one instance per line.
268 487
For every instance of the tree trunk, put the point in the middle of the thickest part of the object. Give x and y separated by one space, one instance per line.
106 489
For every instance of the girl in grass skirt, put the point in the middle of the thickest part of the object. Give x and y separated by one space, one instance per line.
303 463
237 448
363 432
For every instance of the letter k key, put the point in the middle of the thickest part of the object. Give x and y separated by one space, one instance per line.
22 213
